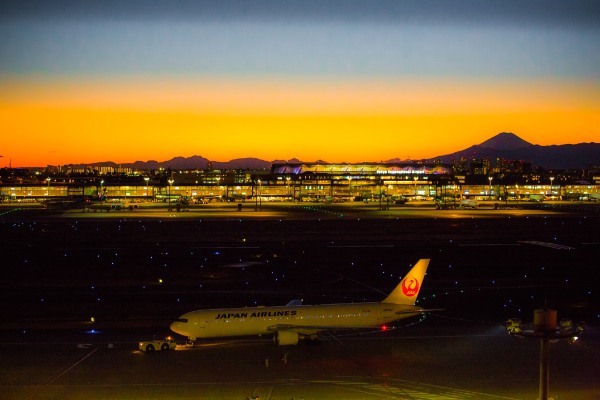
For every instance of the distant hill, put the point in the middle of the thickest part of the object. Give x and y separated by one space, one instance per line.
506 141
505 145
511 147
193 162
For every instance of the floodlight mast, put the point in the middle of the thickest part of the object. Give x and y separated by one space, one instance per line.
546 328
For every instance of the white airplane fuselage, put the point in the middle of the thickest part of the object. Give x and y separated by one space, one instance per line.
306 320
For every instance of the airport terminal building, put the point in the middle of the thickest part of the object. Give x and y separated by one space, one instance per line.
302 182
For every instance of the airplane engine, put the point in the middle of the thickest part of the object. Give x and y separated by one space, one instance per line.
285 338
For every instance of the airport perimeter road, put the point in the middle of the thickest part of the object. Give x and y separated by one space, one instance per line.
414 363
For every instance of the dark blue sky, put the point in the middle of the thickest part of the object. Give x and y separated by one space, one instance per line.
464 38
552 12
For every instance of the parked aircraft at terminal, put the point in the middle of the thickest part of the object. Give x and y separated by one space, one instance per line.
89 203
109 206
289 323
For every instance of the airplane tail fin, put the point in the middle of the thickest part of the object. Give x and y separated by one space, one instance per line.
408 289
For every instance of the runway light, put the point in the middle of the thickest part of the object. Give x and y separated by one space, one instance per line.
92 319
384 327
573 340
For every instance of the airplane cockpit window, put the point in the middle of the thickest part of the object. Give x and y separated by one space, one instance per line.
185 320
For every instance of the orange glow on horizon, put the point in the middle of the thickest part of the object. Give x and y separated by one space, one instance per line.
50 122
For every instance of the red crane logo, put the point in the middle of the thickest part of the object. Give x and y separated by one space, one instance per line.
410 287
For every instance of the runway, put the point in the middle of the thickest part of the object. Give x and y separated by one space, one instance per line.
136 275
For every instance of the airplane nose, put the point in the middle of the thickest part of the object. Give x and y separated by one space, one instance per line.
180 326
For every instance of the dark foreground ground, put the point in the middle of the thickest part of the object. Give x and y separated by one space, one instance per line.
134 274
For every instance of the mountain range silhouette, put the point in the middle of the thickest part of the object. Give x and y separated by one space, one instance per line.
504 145
511 147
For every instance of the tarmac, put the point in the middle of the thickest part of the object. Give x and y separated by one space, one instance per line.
134 272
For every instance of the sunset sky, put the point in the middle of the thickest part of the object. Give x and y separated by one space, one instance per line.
88 81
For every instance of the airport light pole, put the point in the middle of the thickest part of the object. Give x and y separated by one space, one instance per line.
350 187
147 188
415 179
48 190
551 179
546 328
255 197
219 188
101 194
169 192
490 193
380 194
387 197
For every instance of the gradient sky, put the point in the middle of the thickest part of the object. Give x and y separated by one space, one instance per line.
86 81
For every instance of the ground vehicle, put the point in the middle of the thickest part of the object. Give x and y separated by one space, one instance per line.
537 197
468 203
157 344
400 200
513 326
445 202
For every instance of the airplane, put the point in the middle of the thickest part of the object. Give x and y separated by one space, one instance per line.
109 206
64 202
100 203
289 323
88 203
